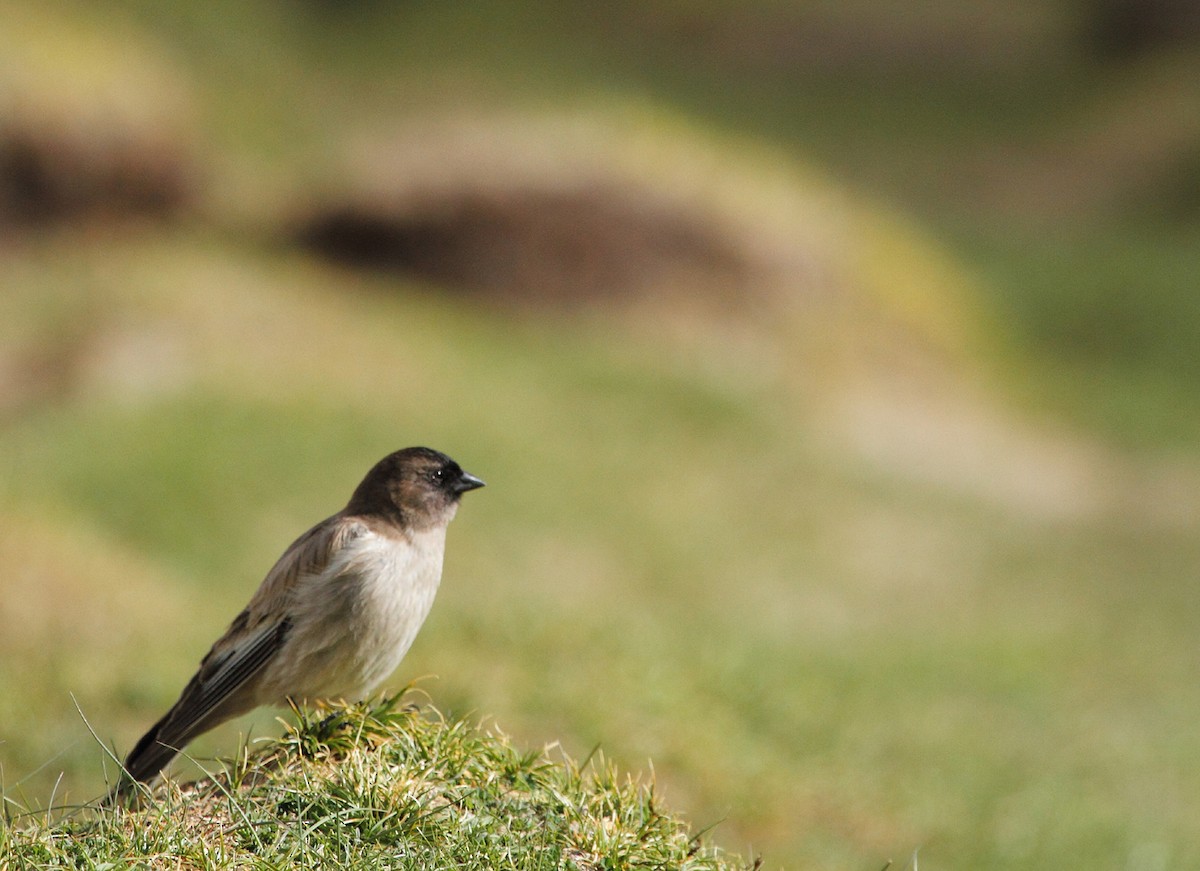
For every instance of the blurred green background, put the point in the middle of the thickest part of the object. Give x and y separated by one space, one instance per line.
833 368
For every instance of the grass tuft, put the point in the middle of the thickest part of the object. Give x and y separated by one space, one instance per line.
382 784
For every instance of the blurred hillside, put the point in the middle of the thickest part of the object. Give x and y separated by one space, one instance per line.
831 367
1052 145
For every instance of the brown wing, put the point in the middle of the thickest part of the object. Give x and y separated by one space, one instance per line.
225 686
210 698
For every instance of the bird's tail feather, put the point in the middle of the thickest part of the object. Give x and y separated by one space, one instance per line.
166 738
152 753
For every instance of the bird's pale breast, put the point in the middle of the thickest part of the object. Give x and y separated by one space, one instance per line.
355 620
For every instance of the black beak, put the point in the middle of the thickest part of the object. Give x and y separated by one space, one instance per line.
466 481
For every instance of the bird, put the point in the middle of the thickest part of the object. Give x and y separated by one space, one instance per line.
333 617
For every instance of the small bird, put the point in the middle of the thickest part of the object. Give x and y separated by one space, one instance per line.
333 617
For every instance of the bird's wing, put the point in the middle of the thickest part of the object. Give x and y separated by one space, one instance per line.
224 686
308 555
217 692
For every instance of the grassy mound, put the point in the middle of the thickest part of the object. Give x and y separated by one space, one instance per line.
95 123
380 785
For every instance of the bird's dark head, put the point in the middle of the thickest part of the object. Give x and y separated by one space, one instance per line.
418 487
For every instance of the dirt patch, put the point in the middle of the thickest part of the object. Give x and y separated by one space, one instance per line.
531 242
50 173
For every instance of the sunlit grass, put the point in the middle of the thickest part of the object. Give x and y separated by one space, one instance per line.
838 660
382 784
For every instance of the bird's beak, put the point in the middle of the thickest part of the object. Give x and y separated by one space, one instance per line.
466 481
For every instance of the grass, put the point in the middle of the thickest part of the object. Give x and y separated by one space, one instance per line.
380 785
1117 355
842 659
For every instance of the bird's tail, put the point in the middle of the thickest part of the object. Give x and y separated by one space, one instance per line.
152 753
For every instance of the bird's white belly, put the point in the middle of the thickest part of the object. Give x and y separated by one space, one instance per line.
360 617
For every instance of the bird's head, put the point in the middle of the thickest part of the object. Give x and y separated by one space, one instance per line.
419 486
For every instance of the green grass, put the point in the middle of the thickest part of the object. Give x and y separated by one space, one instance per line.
1112 317
379 786
841 660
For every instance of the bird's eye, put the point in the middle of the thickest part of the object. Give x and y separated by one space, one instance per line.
438 475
